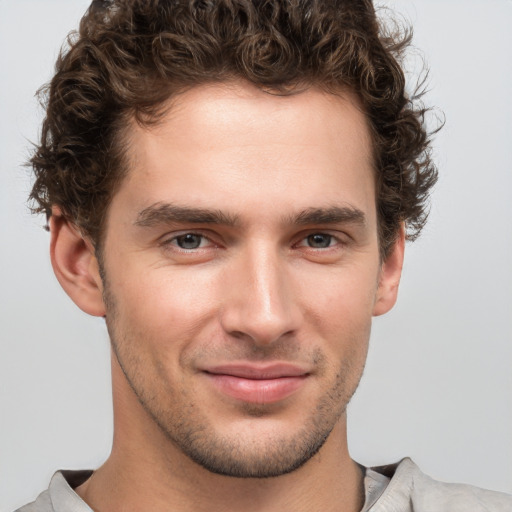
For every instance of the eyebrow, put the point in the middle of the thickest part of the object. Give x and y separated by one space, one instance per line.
331 215
166 213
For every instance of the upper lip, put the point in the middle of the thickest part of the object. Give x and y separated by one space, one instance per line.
257 371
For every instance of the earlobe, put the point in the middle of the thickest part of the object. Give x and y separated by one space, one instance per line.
75 265
389 279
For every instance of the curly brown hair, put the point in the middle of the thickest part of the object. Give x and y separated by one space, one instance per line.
130 56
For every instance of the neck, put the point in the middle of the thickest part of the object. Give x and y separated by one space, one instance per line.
147 471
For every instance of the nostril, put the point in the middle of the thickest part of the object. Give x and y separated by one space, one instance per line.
238 334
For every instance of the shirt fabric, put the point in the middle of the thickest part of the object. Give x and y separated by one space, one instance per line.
400 487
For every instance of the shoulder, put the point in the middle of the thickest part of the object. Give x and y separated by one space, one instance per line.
60 496
43 503
412 490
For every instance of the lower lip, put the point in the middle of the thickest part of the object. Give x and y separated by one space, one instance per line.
255 391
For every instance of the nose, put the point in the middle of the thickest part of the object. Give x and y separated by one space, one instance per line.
260 303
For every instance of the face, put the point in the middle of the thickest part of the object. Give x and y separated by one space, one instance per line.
241 271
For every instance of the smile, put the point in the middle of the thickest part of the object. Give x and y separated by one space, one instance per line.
257 385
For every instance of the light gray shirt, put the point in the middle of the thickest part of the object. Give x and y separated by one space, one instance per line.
398 487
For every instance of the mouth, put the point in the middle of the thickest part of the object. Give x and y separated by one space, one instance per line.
257 384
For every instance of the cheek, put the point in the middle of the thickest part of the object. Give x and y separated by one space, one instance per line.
341 298
339 309
163 305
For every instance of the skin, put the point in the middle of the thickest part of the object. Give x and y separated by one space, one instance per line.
280 265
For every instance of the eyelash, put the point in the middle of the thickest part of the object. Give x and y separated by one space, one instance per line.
330 237
173 241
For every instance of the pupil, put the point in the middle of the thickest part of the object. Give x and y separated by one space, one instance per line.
189 241
319 241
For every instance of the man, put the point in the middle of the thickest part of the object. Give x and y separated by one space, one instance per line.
230 184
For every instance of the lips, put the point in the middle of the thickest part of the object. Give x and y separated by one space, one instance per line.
257 384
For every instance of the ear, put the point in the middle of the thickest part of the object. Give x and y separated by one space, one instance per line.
389 277
75 264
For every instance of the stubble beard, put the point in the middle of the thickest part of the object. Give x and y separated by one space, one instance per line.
190 431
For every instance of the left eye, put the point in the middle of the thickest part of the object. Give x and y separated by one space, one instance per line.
319 240
189 241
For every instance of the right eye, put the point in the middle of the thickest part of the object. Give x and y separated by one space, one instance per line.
187 242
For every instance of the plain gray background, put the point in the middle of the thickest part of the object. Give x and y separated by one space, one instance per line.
438 383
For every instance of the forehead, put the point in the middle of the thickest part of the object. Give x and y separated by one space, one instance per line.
211 112
235 144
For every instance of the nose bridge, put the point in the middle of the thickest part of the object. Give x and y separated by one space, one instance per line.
260 303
